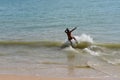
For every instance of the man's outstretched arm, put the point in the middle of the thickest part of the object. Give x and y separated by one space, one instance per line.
73 29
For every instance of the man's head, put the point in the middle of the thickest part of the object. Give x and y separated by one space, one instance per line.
67 30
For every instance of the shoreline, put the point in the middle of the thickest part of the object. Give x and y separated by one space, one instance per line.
29 77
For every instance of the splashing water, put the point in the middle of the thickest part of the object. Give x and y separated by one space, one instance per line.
84 38
83 42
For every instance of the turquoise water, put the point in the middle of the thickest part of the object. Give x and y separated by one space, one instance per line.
47 20
32 38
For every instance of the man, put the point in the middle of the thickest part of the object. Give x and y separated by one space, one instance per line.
70 37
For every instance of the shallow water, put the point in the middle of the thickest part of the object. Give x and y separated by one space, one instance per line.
48 58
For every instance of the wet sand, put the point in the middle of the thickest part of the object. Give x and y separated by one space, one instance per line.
26 77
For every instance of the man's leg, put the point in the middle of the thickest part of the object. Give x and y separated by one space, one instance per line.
75 40
71 43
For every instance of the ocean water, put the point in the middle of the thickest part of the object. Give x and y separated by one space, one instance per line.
32 37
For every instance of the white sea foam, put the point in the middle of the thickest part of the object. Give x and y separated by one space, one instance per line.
80 39
84 38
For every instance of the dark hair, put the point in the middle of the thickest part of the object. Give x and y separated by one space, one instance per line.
67 29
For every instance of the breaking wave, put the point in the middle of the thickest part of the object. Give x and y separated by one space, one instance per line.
84 41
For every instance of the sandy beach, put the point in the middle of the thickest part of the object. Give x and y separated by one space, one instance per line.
26 77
